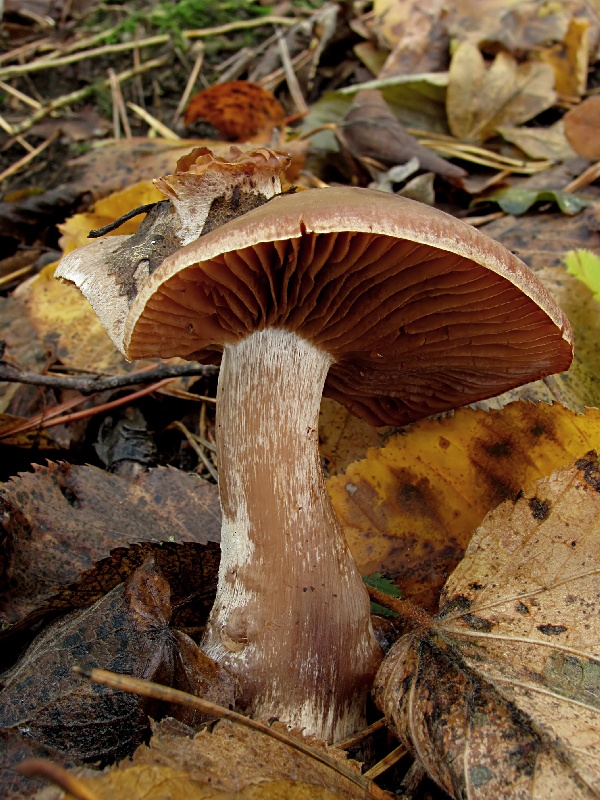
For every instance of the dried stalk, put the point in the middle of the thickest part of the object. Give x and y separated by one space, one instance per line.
81 94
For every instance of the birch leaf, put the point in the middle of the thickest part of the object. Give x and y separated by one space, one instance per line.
501 696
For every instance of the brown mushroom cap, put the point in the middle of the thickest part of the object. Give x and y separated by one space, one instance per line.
421 312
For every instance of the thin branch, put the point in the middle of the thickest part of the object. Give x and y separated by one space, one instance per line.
189 87
239 25
359 736
155 124
101 383
46 63
382 766
290 75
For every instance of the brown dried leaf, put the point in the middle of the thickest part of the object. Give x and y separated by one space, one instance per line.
409 508
232 757
480 98
582 128
118 164
372 130
501 697
569 59
60 520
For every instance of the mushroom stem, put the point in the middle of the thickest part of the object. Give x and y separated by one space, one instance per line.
291 618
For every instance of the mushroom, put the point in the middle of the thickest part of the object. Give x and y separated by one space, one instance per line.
394 308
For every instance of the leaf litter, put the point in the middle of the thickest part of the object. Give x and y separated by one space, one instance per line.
532 51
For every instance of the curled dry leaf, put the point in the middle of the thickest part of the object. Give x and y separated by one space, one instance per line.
482 98
409 508
501 696
239 110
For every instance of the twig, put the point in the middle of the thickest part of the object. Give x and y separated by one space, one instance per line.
54 773
168 695
290 75
387 762
24 98
356 738
81 94
190 84
155 124
12 276
119 110
50 419
403 607
22 162
103 383
47 63
239 25
588 176
198 450
271 81
8 128
23 52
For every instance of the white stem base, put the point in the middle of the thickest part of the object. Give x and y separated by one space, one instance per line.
291 618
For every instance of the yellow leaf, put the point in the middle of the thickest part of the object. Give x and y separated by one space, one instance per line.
569 59
410 508
75 230
68 324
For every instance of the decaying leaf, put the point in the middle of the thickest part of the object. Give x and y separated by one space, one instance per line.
117 164
415 32
127 631
239 110
59 520
158 783
482 98
501 696
15 747
409 508
569 59
230 757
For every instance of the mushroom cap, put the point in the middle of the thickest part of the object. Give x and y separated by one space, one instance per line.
420 311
